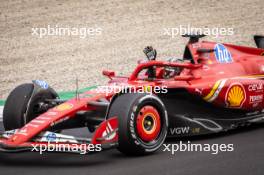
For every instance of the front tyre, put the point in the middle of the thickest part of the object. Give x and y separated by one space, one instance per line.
22 104
142 123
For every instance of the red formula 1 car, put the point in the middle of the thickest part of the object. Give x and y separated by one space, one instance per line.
215 87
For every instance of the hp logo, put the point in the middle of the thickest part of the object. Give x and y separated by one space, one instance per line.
222 55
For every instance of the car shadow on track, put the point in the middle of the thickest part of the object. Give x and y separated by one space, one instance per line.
68 160
33 159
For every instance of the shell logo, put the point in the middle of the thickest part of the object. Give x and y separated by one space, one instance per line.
64 107
236 96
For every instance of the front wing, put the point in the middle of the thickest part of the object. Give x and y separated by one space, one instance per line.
105 137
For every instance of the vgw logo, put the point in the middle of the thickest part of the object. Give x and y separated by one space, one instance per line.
222 55
179 130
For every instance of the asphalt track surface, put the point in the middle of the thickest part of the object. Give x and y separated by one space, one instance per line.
247 158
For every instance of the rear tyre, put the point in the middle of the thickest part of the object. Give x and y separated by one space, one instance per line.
22 105
142 123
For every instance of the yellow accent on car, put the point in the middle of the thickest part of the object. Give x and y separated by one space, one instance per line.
250 76
148 89
211 93
64 107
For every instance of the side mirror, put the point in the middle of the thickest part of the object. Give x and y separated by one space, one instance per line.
109 73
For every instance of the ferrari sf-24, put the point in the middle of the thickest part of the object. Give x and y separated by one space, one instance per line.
214 87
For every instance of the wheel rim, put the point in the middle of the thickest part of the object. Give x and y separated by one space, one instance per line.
148 123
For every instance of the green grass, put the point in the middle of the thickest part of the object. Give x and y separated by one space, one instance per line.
63 95
2 102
